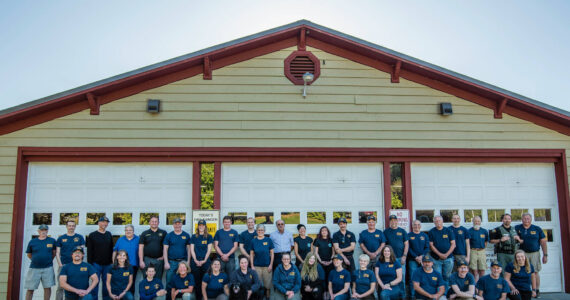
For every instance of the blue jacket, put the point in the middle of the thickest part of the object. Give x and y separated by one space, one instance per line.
287 280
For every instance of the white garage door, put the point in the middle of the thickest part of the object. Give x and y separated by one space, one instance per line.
125 192
489 190
314 194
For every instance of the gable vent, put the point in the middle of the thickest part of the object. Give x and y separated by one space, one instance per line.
300 62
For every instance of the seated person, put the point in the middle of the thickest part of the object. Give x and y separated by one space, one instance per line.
151 288
428 283
462 283
493 286
182 284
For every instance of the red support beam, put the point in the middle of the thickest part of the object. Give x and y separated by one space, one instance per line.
407 181
217 185
395 74
94 103
500 108
561 171
207 68
302 44
196 191
387 191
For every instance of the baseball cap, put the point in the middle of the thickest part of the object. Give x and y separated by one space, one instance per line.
371 217
392 217
43 227
338 256
462 262
78 248
103 219
202 222
342 220
427 258
496 263
177 220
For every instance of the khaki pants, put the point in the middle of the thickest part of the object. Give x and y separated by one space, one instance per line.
265 276
534 260
478 260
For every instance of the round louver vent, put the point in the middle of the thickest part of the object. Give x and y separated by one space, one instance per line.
299 63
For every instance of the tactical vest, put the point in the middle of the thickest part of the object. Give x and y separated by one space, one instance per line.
509 246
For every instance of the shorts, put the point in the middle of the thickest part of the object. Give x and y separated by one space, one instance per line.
478 260
265 277
34 276
534 260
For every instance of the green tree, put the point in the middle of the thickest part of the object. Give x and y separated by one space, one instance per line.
207 186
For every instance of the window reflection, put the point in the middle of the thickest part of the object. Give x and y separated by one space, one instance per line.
92 218
316 217
144 218
447 215
41 218
363 216
494 215
238 218
171 216
264 218
342 214
425 216
291 217
542 215
516 213
64 217
122 218
469 214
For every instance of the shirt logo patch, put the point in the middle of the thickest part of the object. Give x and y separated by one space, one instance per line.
348 236
460 232
156 286
309 245
398 233
330 245
444 236
76 240
160 234
64 240
341 276
83 269
231 234
412 238
264 243
499 286
183 237
221 280
466 282
292 274
377 235
434 278
186 283
390 265
365 275
204 242
126 274
482 236
49 245
533 232
146 287
421 238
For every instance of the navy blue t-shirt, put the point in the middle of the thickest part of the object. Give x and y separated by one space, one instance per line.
387 271
215 283
531 237
77 276
67 244
148 289
371 240
226 240
441 239
419 244
177 245
344 240
429 282
492 288
177 282
42 252
462 283
261 248
522 279
325 249
477 238
120 279
303 245
363 279
396 238
461 235
245 238
201 245
338 279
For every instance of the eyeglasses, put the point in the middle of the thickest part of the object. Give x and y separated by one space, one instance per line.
280 224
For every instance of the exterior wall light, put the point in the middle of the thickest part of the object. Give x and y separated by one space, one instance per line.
153 106
446 109
307 77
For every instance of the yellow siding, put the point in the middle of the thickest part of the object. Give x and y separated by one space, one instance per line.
252 104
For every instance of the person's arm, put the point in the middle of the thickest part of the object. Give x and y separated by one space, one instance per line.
434 250
317 255
217 247
272 256
380 283
503 296
405 254
544 246
64 285
533 284
440 292
468 246
297 255
204 286
354 293
370 291
242 250
398 278
58 256
344 289
108 285
165 255
277 283
468 294
131 282
193 253
507 277
234 248
350 248
331 291
421 291
338 250
251 257
450 251
208 252
141 256
494 237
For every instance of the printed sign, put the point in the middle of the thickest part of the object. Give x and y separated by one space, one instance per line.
212 218
403 218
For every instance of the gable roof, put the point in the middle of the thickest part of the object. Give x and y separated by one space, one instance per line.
299 33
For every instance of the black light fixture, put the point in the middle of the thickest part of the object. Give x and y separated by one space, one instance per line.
445 109
153 106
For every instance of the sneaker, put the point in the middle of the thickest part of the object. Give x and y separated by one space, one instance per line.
537 293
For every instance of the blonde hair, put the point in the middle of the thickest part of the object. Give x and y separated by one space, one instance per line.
526 262
185 264
310 271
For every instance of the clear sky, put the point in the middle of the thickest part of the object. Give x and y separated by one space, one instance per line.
48 47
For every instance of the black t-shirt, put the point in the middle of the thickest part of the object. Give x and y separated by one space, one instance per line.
152 241
100 248
325 249
304 245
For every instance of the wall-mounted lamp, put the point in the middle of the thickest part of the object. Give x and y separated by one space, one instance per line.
307 77
153 106
445 109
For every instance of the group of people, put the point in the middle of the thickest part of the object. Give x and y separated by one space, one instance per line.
438 263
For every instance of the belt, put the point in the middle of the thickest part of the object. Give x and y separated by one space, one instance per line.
178 259
477 249
506 252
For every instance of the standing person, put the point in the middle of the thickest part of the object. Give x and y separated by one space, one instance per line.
247 279
339 280
371 241
40 251
419 246
521 277
462 251
176 246
442 244
150 248
200 249
287 280
363 280
344 242
303 245
182 284
130 244
215 283
120 277
493 286
151 288
65 245
389 275
283 242
397 238
428 282
506 241
312 278
100 254
261 258
75 276
324 251
478 238
246 236
226 244
462 283
532 239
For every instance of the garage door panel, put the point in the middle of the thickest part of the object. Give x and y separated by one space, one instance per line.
494 193
424 193
472 193
339 196
448 194
290 173
264 174
316 174
471 176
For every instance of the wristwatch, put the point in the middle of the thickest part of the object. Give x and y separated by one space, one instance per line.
474 296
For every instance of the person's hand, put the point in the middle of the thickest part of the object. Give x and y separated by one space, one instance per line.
253 267
346 262
175 293
467 259
514 292
249 294
81 293
534 294
290 294
544 259
419 259
453 296
403 260
142 264
59 264
161 293
372 255
122 295
166 265
355 295
308 288
505 238
225 257
442 256
518 239
479 297
269 268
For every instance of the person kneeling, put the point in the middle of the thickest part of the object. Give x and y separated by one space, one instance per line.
493 286
287 280
462 283
182 284
428 283
151 288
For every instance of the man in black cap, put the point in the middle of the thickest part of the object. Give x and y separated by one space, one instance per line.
371 241
428 283
41 252
150 248
100 253
344 243
493 286
74 277
462 283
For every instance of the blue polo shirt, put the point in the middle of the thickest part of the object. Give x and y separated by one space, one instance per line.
303 245
461 235
492 288
148 289
522 279
177 282
387 271
363 279
530 236
462 283
77 276
262 249
67 244
177 245
215 284
430 282
441 239
477 238
226 240
245 239
419 244
371 240
42 252
344 240
338 279
201 245
396 239
132 248
120 279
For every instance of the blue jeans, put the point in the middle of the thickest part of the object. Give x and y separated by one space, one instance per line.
128 296
413 266
394 293
172 271
402 286
102 271
444 267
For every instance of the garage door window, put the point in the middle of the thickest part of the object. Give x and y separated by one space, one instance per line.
469 214
425 216
92 218
238 218
42 218
64 217
396 186
264 218
291 217
171 216
542 215
516 214
549 236
494 215
447 214
145 217
122 218
316 217
342 214
363 216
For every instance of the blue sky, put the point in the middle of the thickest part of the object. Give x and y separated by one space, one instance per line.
48 47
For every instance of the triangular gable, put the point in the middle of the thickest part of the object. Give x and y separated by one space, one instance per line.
301 33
